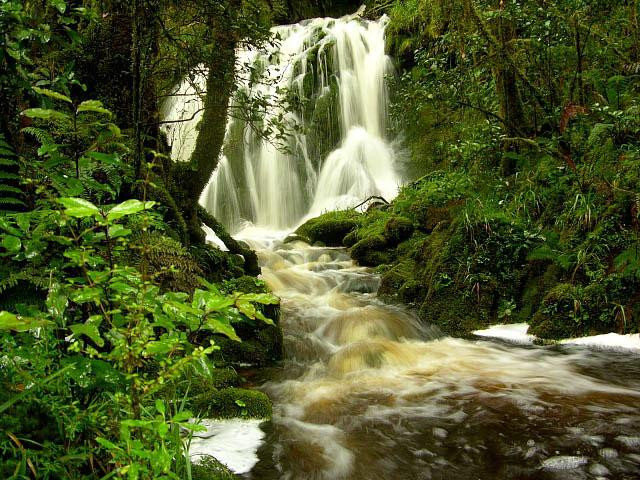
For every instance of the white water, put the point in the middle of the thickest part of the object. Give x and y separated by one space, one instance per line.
337 155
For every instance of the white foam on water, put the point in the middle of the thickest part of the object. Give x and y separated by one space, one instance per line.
515 332
233 442
213 239
564 462
609 341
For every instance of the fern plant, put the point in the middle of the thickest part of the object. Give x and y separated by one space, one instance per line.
11 198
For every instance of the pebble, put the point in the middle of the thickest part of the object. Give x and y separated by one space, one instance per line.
629 442
440 432
564 462
608 453
598 470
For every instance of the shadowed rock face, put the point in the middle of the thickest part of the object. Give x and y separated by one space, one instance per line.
298 10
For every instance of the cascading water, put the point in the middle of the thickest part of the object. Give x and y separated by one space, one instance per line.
331 74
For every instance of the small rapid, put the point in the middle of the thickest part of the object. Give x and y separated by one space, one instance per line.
368 392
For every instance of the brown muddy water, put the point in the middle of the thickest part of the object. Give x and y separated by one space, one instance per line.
367 392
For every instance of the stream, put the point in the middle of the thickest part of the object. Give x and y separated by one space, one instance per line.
367 392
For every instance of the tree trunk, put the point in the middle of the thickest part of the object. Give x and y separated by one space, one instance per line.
188 179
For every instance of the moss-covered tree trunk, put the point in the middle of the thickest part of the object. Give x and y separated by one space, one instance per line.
188 179
191 178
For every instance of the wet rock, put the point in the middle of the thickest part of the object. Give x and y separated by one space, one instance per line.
398 229
598 470
608 453
370 252
564 462
629 442
440 433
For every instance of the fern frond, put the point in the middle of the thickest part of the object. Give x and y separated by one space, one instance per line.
10 189
40 134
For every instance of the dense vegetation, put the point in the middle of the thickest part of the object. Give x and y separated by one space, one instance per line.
118 323
522 120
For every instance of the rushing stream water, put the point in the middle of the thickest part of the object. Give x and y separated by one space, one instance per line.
366 391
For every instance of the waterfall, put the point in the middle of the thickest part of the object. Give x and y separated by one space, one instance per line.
326 80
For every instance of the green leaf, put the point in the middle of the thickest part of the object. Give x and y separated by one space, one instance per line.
52 94
264 298
108 158
116 231
89 329
45 114
211 301
107 444
86 294
94 106
11 244
78 207
60 5
17 323
218 325
128 207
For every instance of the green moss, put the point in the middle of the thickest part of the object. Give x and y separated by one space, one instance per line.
208 468
395 278
371 251
559 315
232 402
350 239
535 289
262 346
330 228
398 229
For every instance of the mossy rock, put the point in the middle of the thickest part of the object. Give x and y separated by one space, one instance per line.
350 239
219 378
261 347
330 228
396 277
398 229
535 289
435 216
208 468
458 311
232 402
412 292
557 316
371 251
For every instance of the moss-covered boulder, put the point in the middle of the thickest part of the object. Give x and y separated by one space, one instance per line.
459 311
350 239
262 346
541 277
398 229
559 314
330 228
371 251
208 468
607 305
232 402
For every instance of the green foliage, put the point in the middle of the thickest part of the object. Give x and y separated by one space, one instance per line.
10 192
